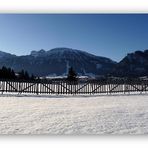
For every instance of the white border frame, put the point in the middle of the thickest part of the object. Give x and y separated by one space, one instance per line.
73 6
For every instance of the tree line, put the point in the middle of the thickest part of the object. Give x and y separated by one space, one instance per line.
8 73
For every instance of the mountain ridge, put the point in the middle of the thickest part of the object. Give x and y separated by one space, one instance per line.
57 61
133 64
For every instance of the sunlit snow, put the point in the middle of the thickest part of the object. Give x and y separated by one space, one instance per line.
74 115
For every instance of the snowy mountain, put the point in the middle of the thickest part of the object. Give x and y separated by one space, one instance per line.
57 62
5 55
134 64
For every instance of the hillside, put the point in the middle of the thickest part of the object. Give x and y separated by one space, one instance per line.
57 62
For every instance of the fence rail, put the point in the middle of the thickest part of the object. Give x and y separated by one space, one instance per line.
74 88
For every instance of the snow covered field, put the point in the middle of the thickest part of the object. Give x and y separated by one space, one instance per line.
74 115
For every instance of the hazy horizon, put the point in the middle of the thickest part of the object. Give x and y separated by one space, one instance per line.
107 35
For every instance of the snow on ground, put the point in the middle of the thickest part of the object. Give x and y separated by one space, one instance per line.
74 115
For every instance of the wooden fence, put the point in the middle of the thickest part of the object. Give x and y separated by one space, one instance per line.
74 88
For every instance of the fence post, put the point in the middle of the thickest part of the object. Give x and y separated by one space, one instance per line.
37 88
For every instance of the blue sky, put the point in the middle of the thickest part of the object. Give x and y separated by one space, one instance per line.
109 35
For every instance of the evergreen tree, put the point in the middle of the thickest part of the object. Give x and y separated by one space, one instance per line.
26 76
22 75
32 77
7 73
4 72
72 76
13 76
